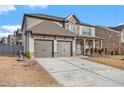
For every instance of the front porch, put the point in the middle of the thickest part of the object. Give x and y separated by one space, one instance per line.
87 45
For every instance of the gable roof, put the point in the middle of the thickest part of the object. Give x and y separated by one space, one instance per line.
54 18
51 28
73 16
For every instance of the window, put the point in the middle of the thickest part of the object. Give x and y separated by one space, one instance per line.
123 35
86 31
72 27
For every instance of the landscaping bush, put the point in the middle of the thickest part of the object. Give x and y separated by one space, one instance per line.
114 52
106 51
91 50
95 50
27 54
87 51
100 51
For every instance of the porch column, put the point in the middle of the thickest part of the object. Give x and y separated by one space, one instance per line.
100 43
84 40
94 43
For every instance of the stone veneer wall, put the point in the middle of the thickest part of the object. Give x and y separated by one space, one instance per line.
54 38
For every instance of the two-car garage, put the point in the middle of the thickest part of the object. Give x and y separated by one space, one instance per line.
48 39
45 48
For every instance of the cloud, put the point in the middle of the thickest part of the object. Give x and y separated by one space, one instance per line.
38 6
120 24
5 34
6 8
8 29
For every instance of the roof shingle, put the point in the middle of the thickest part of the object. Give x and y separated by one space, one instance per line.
51 28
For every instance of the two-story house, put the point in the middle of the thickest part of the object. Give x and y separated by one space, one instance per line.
18 37
10 39
111 38
120 29
51 36
4 40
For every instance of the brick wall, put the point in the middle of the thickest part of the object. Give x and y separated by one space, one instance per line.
111 38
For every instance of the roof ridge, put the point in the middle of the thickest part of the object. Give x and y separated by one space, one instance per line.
104 27
33 14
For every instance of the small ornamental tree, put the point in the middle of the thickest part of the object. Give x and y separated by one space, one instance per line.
27 54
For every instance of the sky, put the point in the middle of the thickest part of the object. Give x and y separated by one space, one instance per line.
11 15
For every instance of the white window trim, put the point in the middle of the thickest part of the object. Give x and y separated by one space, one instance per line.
86 31
72 28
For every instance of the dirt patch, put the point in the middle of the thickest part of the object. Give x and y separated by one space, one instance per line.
23 74
111 61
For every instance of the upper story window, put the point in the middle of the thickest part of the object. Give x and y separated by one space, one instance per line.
72 28
122 36
86 31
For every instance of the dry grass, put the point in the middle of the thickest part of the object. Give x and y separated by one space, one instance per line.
114 61
15 74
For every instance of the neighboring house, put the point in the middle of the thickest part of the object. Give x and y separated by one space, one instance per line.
51 36
121 30
111 38
4 40
10 39
18 37
0 40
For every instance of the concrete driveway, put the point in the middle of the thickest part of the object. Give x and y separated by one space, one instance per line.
76 72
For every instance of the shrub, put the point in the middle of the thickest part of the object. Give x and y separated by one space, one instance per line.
106 51
99 51
87 50
116 52
27 54
91 50
112 52
95 50
102 49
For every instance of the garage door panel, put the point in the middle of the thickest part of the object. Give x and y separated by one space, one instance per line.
64 49
42 48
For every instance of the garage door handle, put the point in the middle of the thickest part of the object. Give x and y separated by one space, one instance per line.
64 50
43 49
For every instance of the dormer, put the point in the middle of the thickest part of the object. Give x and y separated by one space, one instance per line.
72 19
71 23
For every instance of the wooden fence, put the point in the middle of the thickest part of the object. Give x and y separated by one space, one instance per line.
10 50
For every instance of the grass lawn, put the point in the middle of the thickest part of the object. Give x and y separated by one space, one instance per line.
17 74
114 61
